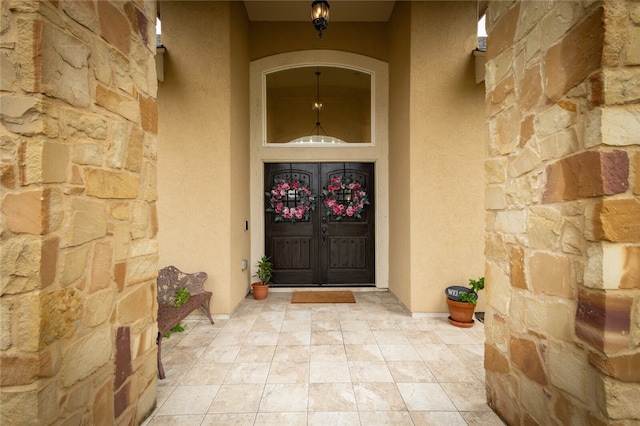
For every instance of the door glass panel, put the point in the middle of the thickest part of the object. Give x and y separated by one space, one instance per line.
314 104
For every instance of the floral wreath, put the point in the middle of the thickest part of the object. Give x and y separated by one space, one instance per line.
279 196
351 208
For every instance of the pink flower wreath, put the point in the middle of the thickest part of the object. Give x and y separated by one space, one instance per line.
338 206
282 196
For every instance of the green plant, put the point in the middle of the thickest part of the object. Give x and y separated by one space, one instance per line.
265 270
472 295
178 328
182 296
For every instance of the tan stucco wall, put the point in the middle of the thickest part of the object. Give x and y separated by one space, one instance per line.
240 238
399 154
364 38
202 154
444 150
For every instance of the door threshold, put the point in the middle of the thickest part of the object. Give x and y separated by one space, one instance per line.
282 289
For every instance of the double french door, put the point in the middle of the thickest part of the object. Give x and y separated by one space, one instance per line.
333 246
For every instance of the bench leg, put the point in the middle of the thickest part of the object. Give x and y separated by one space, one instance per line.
160 367
205 308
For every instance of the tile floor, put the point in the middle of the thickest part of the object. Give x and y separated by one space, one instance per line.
368 363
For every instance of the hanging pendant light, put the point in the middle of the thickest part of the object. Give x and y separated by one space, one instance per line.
320 15
318 134
317 105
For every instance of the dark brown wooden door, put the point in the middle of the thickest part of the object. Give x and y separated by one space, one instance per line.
322 250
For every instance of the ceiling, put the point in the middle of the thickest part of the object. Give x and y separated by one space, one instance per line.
300 10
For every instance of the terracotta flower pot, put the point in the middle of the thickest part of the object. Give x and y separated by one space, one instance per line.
260 290
461 313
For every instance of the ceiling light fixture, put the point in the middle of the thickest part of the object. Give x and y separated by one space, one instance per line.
317 106
320 15
318 134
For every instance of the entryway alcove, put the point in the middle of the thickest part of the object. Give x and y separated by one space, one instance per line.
361 258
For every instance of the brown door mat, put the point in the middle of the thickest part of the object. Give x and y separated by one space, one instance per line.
323 297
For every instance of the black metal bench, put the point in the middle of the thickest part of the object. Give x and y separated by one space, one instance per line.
170 280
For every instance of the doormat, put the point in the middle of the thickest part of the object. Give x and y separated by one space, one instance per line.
323 297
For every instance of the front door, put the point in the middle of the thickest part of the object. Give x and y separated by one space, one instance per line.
332 245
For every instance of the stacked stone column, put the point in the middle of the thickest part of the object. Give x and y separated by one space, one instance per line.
563 212
78 225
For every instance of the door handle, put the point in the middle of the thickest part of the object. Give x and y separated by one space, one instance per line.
324 233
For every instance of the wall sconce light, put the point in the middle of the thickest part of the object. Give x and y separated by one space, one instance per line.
320 15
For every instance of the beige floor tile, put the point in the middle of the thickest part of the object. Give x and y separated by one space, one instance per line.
368 363
328 353
434 352
294 338
453 336
331 397
487 418
338 418
394 337
214 354
329 372
468 353
296 325
292 353
298 315
370 372
196 337
288 372
250 353
187 420
354 324
399 353
270 419
284 397
189 400
206 374
238 326
383 324
237 399
247 372
323 315
264 315
162 394
241 419
182 355
378 397
386 418
467 396
326 338
437 418
423 337
226 338
358 338
425 397
363 353
174 373
262 338
451 372
331 324
410 372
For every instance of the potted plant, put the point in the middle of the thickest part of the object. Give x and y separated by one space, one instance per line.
462 302
264 273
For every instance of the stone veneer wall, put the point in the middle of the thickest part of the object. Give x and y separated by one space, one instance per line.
79 253
563 212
